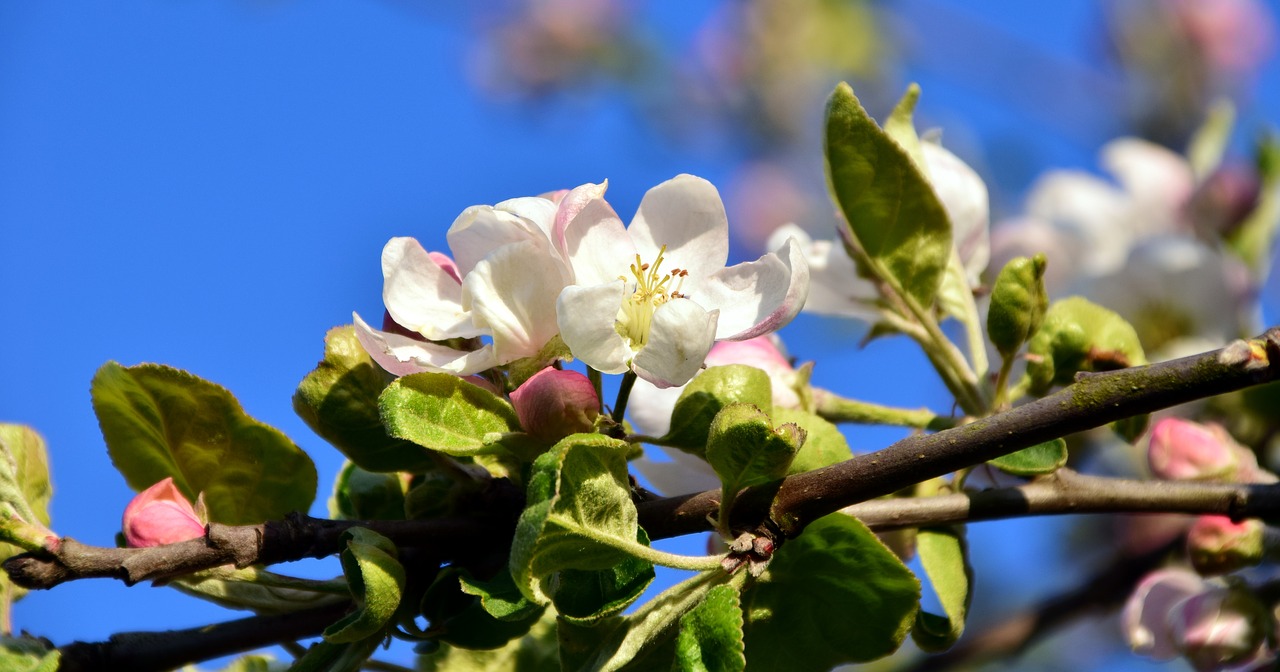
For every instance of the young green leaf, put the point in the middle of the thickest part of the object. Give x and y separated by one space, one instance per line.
365 495
745 449
445 413
709 392
824 444
1018 304
377 581
902 128
710 637
459 618
536 651
339 401
260 591
28 654
945 558
579 516
831 596
1042 458
159 421
1079 335
890 209
25 491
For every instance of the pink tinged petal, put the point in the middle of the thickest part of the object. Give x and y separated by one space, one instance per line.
445 262
420 295
964 196
680 336
512 293
1146 613
535 209
587 317
686 215
1153 175
481 229
761 352
593 238
553 404
401 355
161 515
758 297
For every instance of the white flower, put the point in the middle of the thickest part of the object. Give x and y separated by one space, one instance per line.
836 288
654 296
502 283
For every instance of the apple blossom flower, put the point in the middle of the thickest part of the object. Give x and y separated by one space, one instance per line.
162 515
835 286
654 296
554 403
1173 612
1146 612
501 282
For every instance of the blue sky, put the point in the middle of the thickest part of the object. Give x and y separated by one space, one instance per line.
209 185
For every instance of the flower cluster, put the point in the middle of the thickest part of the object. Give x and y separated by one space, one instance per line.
559 276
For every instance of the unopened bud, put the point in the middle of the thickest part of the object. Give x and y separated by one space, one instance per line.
554 403
1184 450
1219 545
162 515
1146 612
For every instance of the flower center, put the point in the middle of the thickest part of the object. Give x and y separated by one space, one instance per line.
650 288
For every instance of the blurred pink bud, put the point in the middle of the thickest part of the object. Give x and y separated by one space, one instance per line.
1146 613
161 515
1218 545
554 404
1220 627
763 353
1185 450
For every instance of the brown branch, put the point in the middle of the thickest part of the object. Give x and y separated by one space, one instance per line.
272 542
783 508
1068 492
155 651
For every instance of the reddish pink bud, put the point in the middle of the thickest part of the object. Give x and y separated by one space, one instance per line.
554 404
1185 450
763 353
1218 545
161 515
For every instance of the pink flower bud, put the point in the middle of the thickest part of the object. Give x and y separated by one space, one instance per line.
1218 545
1219 627
1146 613
763 353
1185 450
553 404
161 515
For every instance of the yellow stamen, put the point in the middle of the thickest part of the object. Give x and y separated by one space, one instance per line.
652 288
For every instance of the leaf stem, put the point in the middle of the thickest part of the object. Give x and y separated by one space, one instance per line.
597 382
836 408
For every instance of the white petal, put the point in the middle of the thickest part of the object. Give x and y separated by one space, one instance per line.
535 209
758 297
593 238
401 355
650 407
1158 180
420 295
834 285
686 214
1090 209
684 474
481 229
964 196
512 292
587 317
680 336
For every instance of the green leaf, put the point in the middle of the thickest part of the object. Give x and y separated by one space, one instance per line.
159 422
1042 458
587 595
1252 240
831 596
891 211
1018 304
254 663
745 449
27 654
710 638
709 392
365 495
536 651
459 618
580 517
1079 335
945 558
1209 142
499 595
339 401
331 657
260 591
902 128
824 443
25 491
377 582
445 413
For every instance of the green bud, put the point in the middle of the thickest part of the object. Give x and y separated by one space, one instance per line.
1018 304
